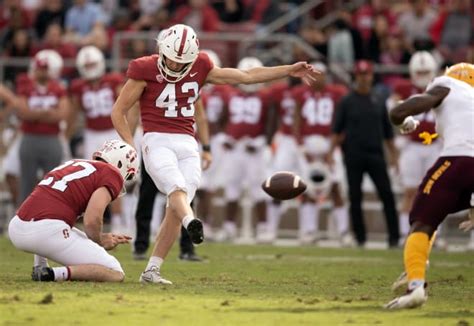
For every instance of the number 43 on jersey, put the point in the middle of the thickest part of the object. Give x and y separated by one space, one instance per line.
167 99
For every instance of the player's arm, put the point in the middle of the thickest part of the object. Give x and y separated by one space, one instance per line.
93 216
59 114
133 116
203 133
129 95
418 104
72 118
234 76
24 113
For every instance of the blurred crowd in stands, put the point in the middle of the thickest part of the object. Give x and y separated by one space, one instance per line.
387 32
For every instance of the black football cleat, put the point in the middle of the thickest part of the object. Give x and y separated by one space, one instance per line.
42 274
195 231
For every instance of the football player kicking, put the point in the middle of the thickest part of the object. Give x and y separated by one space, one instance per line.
167 84
449 184
44 224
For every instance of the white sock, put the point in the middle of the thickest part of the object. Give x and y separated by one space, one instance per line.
274 212
308 218
404 224
472 236
154 261
40 261
186 220
342 219
61 273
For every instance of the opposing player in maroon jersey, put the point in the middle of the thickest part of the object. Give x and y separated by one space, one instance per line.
415 157
44 224
167 84
314 115
44 104
248 136
94 94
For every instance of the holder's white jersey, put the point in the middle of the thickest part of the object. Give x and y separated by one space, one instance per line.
455 117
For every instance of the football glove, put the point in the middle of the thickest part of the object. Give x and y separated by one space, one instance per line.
408 125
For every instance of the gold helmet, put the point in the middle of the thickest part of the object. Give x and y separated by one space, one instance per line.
461 71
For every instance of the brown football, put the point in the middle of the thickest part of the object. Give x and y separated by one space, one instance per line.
284 185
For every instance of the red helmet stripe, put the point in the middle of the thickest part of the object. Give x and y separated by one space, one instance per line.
183 40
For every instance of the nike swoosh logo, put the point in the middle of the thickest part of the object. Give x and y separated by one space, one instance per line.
192 75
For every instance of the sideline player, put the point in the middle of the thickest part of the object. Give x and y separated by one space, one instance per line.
43 105
315 111
94 94
167 84
44 224
448 186
248 136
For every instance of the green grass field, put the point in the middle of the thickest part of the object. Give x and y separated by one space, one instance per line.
243 285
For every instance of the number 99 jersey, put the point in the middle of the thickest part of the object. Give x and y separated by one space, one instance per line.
65 191
168 107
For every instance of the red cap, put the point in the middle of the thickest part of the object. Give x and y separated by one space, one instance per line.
363 66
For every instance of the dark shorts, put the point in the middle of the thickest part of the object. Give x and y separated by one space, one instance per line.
446 188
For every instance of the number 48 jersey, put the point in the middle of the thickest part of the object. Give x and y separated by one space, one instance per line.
318 108
65 191
168 107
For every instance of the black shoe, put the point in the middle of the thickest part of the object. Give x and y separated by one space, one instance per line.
42 274
190 257
195 231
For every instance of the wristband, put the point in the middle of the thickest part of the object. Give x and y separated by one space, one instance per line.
206 148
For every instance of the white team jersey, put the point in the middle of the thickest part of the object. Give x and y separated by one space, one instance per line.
455 117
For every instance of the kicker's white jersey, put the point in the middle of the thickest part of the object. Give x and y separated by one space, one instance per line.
455 117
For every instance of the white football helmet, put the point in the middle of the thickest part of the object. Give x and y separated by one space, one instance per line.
122 156
90 62
423 68
49 59
180 44
248 63
213 56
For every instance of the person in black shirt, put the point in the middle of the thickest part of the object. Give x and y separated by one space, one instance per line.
361 127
